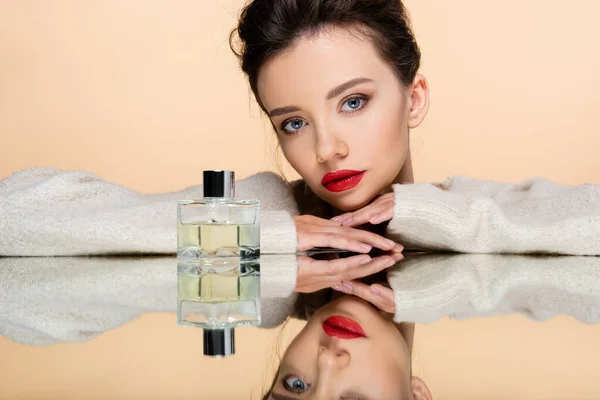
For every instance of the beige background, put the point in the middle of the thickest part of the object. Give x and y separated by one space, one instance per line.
148 94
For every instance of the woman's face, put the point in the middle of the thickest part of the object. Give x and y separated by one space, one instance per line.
347 350
341 114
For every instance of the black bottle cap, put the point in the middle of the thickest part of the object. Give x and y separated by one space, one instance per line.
219 342
218 183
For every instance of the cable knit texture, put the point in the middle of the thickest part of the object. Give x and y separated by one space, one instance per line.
475 216
431 286
51 212
47 300
277 233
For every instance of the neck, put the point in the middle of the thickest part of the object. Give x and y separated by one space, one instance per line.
406 174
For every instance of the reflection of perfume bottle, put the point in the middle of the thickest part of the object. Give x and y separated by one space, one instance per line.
218 299
218 227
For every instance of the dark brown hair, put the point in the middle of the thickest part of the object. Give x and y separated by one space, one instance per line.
267 27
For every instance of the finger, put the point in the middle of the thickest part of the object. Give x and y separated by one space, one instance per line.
385 293
364 291
309 240
360 235
304 262
317 269
376 265
331 273
322 274
382 209
373 214
311 219
370 238
359 217
312 236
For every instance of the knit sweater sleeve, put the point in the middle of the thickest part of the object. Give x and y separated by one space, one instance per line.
52 212
475 216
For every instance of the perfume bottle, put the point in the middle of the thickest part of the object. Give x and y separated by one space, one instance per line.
218 299
218 229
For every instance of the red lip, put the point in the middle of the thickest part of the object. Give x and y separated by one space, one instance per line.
341 180
343 328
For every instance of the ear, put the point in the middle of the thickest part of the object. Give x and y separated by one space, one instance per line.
418 101
419 389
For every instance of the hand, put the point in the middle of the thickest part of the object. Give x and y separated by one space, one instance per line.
314 275
382 209
318 232
378 295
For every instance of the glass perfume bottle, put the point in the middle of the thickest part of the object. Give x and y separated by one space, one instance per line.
218 229
218 299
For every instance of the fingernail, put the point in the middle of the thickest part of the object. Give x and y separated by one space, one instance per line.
398 248
337 287
337 218
375 219
347 287
365 247
346 220
375 290
365 260
390 263
391 243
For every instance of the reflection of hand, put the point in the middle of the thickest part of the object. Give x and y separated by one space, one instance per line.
318 232
381 210
314 275
378 295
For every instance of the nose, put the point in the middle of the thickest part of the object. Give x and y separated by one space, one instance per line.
332 361
333 358
329 145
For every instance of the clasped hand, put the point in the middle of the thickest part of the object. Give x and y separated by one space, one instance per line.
340 232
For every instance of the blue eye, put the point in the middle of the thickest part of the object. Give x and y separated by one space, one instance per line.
295 384
353 104
293 125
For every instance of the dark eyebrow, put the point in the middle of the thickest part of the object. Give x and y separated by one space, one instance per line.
277 396
283 110
336 91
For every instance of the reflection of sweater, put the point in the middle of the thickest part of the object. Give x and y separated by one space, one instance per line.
46 300
428 287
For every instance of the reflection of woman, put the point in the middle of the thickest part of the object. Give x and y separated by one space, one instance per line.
349 350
